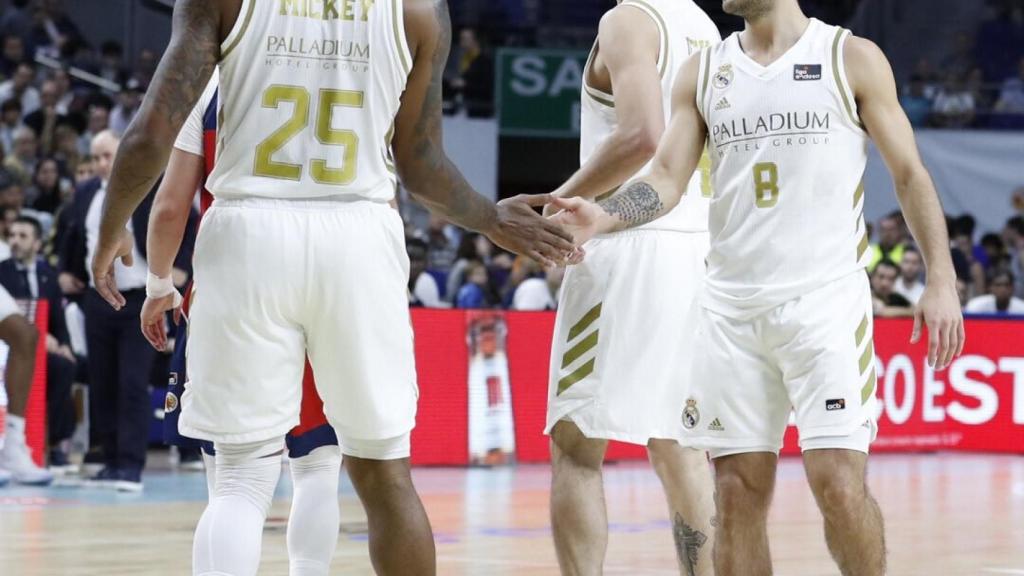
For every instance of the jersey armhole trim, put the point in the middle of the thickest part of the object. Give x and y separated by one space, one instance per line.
238 30
839 72
598 96
398 31
662 31
704 71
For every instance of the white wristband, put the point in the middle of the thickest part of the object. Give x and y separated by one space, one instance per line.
157 287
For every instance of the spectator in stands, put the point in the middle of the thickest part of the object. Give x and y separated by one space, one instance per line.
925 73
10 121
128 102
1011 96
48 188
891 240
980 92
1000 299
961 59
13 55
995 254
20 87
470 74
909 284
423 290
472 248
21 163
45 120
888 303
540 290
99 120
84 172
1013 240
120 359
66 148
1001 40
954 106
442 242
476 292
962 236
52 28
65 95
27 276
916 103
112 62
16 19
145 66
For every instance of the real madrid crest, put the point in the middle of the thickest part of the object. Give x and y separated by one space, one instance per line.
170 402
691 416
723 78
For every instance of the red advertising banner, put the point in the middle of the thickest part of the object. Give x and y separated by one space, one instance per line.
975 405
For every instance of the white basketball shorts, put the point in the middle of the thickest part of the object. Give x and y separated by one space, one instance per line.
813 355
277 279
624 334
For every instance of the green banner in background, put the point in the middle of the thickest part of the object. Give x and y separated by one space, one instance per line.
539 92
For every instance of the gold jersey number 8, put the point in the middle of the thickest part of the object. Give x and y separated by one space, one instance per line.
766 184
273 96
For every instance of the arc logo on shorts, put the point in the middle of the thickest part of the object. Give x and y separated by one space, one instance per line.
691 416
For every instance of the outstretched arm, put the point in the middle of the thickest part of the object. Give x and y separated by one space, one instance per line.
874 88
645 199
631 43
428 173
184 70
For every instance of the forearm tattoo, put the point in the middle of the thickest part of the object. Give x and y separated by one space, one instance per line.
688 543
635 205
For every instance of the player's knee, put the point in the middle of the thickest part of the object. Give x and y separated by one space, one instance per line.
841 497
571 450
375 476
249 472
669 454
23 339
740 495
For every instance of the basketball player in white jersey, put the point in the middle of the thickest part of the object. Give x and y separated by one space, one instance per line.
787 107
314 457
626 315
321 103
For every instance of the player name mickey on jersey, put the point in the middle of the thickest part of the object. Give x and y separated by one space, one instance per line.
326 9
778 129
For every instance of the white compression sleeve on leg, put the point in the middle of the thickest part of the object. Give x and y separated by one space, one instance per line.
315 519
210 466
229 537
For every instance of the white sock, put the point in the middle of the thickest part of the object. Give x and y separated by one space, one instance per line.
229 537
314 522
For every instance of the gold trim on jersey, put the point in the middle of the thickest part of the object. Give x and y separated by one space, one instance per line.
662 29
241 32
707 78
594 93
858 194
395 7
843 89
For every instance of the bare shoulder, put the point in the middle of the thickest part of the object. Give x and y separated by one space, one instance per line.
629 23
866 64
685 87
425 22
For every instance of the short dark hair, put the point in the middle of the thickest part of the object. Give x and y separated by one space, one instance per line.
964 225
1017 223
11 104
910 248
887 262
993 240
415 243
34 223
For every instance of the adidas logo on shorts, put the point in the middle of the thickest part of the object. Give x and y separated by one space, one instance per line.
723 104
716 426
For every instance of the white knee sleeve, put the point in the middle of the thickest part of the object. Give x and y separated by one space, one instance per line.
314 521
229 537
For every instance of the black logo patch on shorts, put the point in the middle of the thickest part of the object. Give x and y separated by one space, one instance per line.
805 72
837 404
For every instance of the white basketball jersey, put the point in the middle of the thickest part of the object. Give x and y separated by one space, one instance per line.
684 29
788 157
308 95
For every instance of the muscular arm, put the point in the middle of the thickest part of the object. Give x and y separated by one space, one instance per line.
874 89
171 209
643 200
428 173
628 45
184 70
424 168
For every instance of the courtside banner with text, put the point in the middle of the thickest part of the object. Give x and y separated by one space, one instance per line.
975 405
538 92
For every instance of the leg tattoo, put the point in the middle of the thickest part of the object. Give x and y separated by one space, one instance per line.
688 543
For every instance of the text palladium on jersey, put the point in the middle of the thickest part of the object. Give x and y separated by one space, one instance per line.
323 48
325 9
769 124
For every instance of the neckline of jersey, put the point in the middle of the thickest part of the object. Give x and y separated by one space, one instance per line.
771 70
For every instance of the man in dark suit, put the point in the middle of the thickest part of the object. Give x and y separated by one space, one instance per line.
26 276
120 359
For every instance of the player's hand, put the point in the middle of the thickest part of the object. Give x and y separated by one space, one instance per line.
70 284
103 267
939 310
521 230
580 218
154 318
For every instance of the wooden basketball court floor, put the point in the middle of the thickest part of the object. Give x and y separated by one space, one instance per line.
946 515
